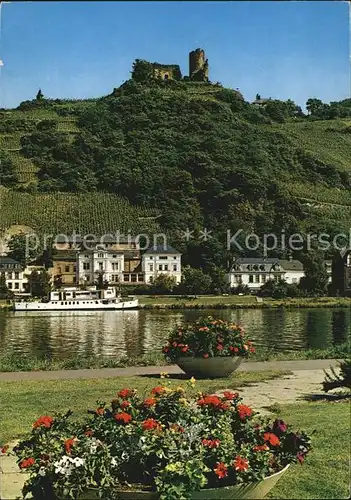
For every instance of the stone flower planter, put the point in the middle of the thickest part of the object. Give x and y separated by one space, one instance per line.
256 490
218 367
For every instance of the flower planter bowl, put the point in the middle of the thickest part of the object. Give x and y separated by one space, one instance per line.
256 490
218 367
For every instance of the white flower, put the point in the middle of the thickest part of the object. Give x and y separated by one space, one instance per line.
95 443
42 471
114 462
66 465
125 456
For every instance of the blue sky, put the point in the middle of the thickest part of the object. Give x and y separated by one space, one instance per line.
83 49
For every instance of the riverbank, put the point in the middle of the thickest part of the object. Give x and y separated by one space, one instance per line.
156 362
150 302
237 302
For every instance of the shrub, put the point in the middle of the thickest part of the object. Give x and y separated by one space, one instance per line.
207 338
167 442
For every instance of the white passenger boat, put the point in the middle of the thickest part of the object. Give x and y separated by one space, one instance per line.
74 299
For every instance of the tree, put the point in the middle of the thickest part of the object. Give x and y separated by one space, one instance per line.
5 293
39 283
194 281
219 282
163 284
143 71
315 281
40 95
101 283
21 249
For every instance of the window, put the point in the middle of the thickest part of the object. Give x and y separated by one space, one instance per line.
59 270
163 257
9 276
86 256
150 257
263 278
114 266
166 267
174 257
101 266
134 278
16 285
257 278
86 266
126 277
251 278
66 269
237 278
151 267
140 277
9 285
174 267
160 267
114 256
100 255
16 276
74 269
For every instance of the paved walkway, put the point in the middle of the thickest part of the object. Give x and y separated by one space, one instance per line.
249 366
306 379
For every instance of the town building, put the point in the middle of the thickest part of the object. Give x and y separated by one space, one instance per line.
341 273
16 281
256 271
161 259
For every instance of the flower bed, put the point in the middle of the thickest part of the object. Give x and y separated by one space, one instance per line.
207 338
167 442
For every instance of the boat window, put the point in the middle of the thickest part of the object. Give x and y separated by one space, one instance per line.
96 301
61 303
69 303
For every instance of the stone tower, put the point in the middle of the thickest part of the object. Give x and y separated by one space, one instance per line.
198 66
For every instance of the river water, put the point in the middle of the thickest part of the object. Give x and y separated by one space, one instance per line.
62 335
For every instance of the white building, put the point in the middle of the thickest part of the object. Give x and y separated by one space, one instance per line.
92 263
14 275
255 272
162 259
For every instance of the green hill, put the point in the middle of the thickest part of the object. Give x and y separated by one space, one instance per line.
195 152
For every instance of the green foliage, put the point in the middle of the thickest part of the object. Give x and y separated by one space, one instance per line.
279 289
21 248
5 293
163 284
143 71
8 174
206 338
194 281
39 283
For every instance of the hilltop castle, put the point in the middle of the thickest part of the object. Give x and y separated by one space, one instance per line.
198 68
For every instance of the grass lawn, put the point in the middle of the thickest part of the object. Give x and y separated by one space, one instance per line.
201 299
326 471
21 403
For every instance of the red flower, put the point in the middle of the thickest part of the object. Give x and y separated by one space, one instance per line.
88 433
44 421
300 457
123 417
236 349
4 449
151 424
252 349
124 393
219 347
165 349
244 411
100 411
213 401
221 470
174 344
26 462
271 438
206 356
150 402
211 443
230 395
68 444
125 404
241 464
185 348
158 391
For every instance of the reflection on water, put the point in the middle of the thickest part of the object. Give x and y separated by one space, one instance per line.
109 333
